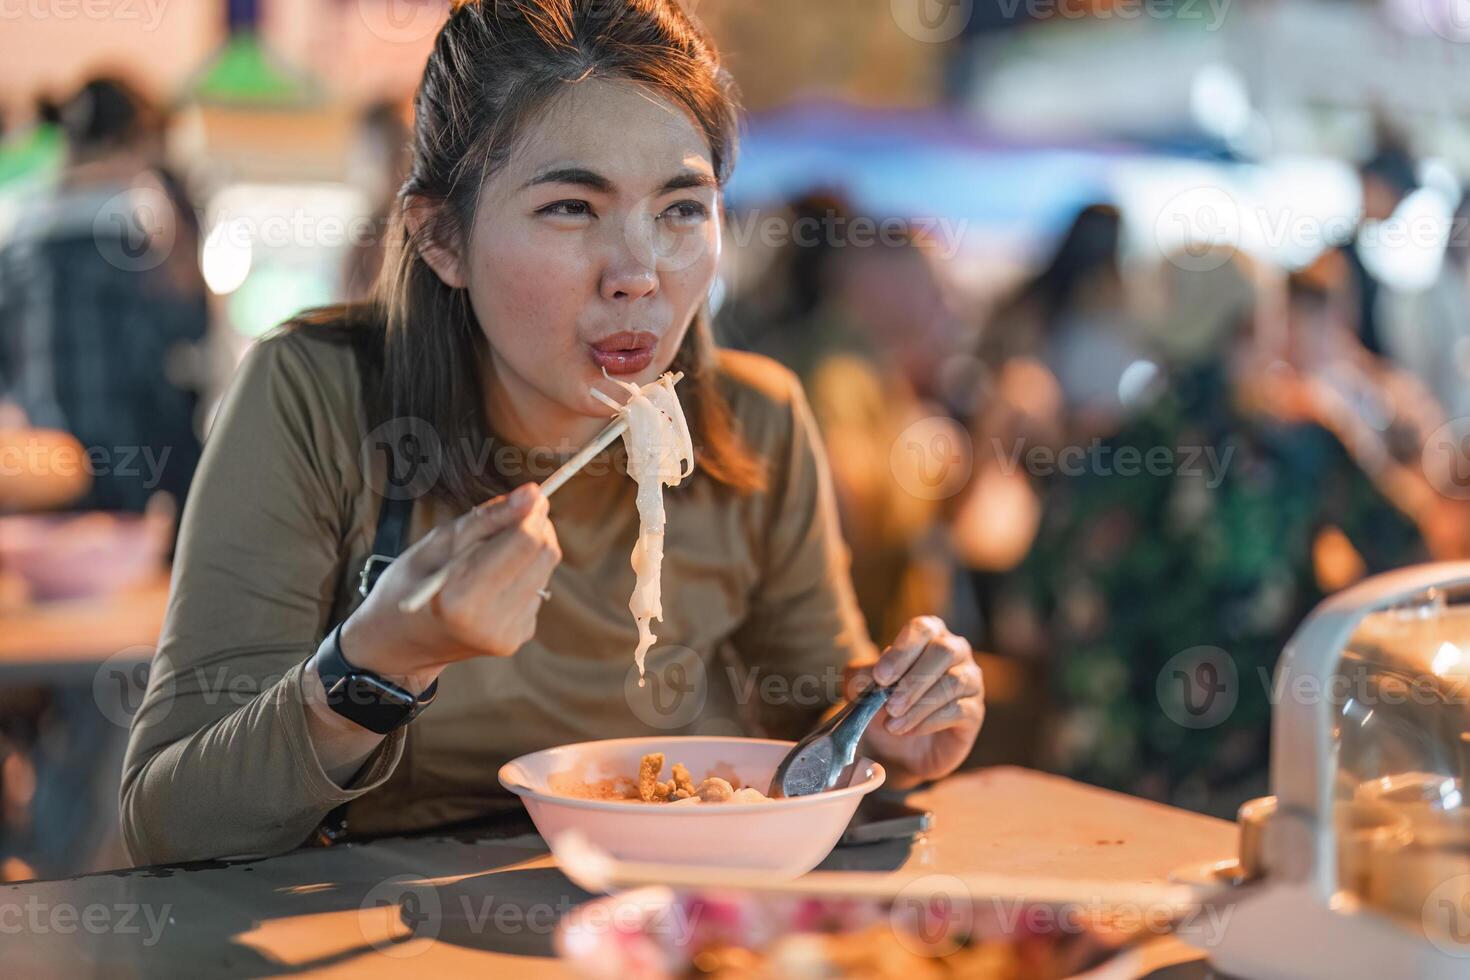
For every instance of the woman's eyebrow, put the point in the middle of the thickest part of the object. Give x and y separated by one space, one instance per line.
687 179
592 180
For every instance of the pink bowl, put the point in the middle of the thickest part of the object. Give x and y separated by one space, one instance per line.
785 837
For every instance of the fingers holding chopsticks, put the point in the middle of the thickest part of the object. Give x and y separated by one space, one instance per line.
500 541
445 545
493 591
487 568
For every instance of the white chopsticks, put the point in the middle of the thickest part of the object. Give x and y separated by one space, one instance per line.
615 429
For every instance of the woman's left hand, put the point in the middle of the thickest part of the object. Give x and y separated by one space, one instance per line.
933 716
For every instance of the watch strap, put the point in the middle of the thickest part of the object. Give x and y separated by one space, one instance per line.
372 701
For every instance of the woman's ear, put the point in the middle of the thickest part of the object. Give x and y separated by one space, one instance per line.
419 214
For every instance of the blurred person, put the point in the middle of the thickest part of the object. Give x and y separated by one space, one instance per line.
1252 512
377 166
1194 301
1323 370
1057 353
1042 389
866 327
889 294
773 311
100 294
1025 409
1427 331
1387 177
1380 412
872 341
1073 317
879 400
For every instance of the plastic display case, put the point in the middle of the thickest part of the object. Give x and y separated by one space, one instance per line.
1359 866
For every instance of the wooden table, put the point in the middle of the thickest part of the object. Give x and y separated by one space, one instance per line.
312 912
68 639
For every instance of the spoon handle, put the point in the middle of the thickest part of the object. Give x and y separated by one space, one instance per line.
847 726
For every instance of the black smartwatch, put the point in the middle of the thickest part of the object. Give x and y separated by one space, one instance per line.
362 696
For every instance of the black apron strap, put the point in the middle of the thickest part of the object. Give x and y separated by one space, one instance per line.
393 520
388 544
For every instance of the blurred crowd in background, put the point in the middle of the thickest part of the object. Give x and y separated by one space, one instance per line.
1133 329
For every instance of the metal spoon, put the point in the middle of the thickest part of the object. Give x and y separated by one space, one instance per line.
824 758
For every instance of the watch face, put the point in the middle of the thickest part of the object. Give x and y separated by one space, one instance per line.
371 703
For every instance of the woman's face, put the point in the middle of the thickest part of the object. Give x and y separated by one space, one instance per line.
592 248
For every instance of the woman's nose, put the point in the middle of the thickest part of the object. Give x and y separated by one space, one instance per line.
631 269
626 277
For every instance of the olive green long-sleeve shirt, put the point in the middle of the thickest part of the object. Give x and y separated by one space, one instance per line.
759 618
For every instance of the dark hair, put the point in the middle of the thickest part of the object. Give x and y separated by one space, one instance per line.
47 110
105 113
1089 246
494 65
807 284
1391 161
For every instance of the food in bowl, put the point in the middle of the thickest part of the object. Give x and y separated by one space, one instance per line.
681 788
715 787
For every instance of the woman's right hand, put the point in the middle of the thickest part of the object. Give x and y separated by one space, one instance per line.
502 555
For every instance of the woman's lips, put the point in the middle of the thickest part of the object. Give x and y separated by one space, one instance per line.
624 353
623 361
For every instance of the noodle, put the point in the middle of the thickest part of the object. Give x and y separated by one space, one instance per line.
660 453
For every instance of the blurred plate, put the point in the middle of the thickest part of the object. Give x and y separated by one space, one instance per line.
658 933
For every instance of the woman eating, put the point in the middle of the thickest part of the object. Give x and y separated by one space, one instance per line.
559 232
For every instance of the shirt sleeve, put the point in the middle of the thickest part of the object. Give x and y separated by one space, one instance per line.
803 625
219 762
